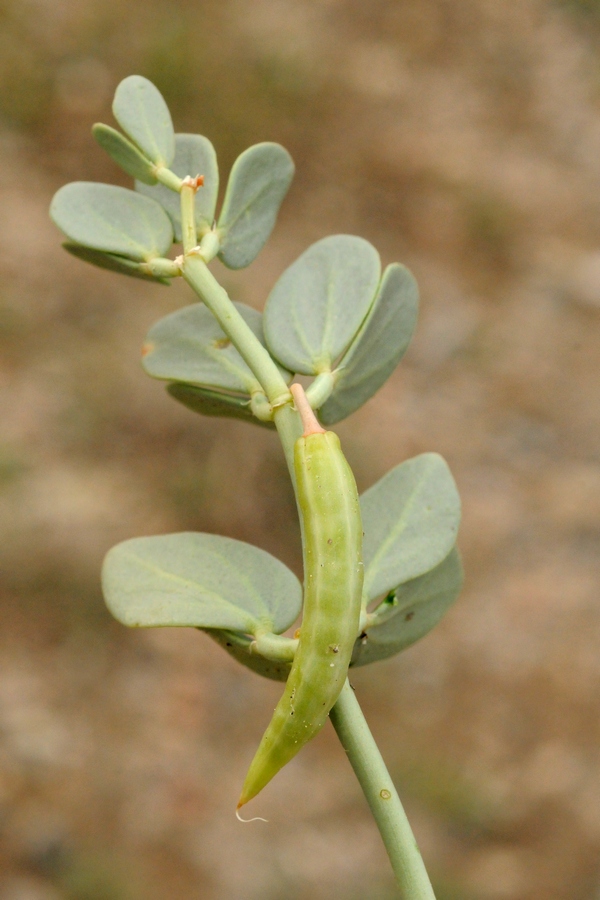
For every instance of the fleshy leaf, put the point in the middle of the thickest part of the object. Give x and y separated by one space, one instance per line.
258 182
238 646
215 403
378 347
142 113
124 153
112 219
318 305
194 155
199 580
419 605
189 346
410 519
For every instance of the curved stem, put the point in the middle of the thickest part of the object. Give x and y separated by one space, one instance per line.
366 760
205 285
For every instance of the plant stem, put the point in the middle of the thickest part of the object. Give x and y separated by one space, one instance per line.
382 797
202 281
287 421
188 216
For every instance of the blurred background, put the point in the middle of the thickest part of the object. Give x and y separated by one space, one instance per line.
463 139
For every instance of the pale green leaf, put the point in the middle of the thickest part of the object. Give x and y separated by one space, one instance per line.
318 305
142 113
378 347
189 346
124 153
410 520
194 155
417 606
199 580
215 403
112 219
258 182
112 263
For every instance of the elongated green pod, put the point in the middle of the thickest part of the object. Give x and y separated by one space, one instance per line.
333 577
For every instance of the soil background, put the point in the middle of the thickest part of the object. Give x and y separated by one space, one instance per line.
463 139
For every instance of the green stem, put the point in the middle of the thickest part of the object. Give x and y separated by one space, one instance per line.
188 217
382 797
257 357
205 285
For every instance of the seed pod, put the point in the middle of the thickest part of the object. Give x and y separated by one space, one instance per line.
333 577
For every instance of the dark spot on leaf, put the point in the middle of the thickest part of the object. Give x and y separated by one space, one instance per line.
222 343
409 615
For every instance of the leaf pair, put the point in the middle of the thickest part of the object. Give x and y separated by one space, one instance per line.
207 374
98 218
110 226
330 307
332 310
142 113
258 182
410 518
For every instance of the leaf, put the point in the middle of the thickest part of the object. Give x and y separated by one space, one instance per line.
378 347
419 604
215 403
318 305
238 646
112 219
199 580
113 263
190 346
124 153
258 182
410 520
142 113
194 155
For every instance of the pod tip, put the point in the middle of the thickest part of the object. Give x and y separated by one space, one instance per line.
310 422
